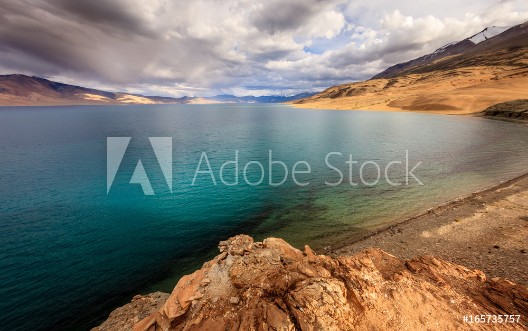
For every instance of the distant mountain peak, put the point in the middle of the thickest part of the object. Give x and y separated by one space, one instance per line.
486 38
488 33
443 48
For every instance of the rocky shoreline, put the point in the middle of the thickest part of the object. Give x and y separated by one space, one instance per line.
486 230
515 111
259 285
270 285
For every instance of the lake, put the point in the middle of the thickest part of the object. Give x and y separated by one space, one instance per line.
71 250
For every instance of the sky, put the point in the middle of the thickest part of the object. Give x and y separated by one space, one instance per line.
241 47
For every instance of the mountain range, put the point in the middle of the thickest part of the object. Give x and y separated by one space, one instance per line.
22 90
453 48
465 76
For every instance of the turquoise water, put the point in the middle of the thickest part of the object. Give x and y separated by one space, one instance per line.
70 253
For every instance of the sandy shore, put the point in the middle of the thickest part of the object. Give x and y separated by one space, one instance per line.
487 230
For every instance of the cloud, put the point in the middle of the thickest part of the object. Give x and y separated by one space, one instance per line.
205 47
117 14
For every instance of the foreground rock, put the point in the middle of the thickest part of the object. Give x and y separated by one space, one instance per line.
270 285
141 306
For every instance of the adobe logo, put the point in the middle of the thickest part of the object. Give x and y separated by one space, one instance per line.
115 150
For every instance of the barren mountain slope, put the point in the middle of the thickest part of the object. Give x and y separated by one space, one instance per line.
493 71
21 90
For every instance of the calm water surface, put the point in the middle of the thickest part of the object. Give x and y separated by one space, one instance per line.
70 253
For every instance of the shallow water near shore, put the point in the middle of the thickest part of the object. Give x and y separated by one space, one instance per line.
70 252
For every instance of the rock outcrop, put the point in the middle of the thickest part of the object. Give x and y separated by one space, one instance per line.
513 110
270 285
141 306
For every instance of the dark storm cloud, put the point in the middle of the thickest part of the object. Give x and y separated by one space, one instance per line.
115 13
280 16
28 30
71 36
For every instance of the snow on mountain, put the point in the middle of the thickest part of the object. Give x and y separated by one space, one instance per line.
443 48
487 33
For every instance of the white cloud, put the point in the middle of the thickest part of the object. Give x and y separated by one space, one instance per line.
205 47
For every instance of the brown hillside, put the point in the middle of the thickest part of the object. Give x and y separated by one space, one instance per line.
488 73
21 90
